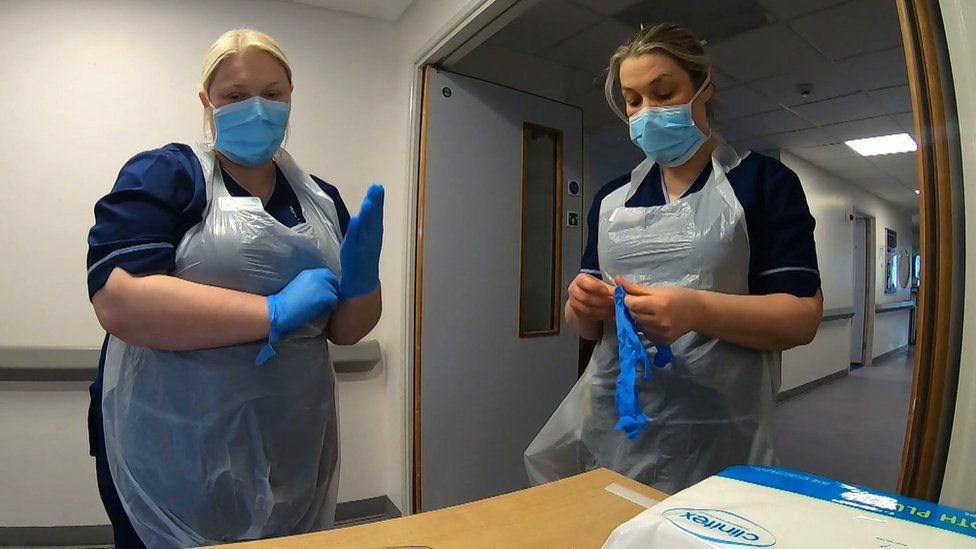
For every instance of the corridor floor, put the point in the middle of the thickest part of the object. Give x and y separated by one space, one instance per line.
851 429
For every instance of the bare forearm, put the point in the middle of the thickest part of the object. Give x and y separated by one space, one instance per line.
767 322
587 328
354 318
168 313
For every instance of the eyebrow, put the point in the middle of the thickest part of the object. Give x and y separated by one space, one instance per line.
275 83
653 82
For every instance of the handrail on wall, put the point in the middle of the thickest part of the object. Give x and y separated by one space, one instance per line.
81 363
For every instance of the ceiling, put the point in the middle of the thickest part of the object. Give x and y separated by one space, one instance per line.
849 51
387 10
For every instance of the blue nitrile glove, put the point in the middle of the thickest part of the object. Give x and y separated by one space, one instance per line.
631 352
662 358
360 251
311 294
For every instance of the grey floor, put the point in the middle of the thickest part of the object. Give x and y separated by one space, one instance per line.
851 429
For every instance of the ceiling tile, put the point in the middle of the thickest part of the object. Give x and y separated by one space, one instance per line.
906 121
874 184
606 7
740 101
711 20
544 25
839 109
722 81
787 9
825 152
757 144
851 168
730 132
809 137
856 129
876 70
826 81
894 100
590 51
897 165
762 53
851 29
772 122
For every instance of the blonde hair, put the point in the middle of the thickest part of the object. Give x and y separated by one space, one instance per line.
671 39
234 42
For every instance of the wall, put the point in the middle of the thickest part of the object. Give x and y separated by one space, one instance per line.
959 484
832 200
106 79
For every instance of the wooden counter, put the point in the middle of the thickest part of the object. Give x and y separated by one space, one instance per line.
577 512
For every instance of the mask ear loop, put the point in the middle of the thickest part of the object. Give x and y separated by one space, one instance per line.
708 80
208 123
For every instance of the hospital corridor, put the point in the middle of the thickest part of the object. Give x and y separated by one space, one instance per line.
689 274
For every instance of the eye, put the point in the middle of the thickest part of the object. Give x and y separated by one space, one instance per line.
272 94
234 96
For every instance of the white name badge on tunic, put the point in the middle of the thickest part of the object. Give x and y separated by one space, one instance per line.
241 203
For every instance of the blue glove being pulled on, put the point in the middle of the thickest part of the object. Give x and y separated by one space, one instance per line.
311 294
360 250
631 352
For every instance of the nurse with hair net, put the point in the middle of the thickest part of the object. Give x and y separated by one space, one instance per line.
220 271
711 254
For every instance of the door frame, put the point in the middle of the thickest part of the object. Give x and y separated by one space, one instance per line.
870 287
474 24
940 294
941 233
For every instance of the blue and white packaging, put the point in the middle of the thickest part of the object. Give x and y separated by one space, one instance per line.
769 507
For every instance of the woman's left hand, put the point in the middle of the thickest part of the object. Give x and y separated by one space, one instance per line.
359 254
663 313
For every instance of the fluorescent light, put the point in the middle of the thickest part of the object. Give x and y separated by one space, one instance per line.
884 144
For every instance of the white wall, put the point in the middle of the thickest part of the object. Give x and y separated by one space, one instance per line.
832 201
91 84
46 475
959 484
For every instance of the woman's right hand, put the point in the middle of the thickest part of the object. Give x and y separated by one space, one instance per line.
311 294
591 298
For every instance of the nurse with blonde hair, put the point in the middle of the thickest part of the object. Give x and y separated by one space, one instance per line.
220 271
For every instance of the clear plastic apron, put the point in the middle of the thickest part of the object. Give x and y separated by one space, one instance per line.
713 406
205 446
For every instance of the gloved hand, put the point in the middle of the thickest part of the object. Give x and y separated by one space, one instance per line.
311 294
631 351
360 251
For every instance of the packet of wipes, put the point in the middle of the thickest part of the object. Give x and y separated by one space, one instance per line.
769 507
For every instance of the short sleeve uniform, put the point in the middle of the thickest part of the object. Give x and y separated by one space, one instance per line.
783 256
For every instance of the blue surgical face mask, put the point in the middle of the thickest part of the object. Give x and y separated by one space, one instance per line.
668 135
250 132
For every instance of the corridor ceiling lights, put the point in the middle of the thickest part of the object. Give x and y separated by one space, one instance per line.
884 144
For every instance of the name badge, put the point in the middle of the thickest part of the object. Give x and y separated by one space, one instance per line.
240 203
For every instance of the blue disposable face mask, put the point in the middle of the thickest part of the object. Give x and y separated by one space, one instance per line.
250 132
668 135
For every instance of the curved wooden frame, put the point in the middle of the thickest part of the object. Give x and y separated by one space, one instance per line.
923 456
